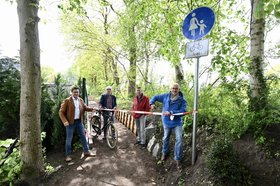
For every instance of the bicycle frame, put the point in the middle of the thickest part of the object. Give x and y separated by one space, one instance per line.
98 129
111 135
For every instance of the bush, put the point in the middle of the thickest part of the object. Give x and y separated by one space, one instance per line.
10 167
225 109
224 164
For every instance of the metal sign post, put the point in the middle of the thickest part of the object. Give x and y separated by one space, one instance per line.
197 24
195 108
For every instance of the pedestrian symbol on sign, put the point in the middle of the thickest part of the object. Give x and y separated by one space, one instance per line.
194 24
198 23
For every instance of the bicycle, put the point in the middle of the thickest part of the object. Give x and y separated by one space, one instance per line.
111 131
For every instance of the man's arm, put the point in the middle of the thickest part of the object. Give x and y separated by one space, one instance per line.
156 98
115 106
62 112
101 101
86 108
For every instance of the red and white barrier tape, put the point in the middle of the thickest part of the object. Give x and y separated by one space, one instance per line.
148 113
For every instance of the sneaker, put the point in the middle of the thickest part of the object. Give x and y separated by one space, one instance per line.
88 154
179 165
163 157
142 146
137 142
68 159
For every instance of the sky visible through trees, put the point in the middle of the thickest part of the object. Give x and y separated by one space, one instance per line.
53 47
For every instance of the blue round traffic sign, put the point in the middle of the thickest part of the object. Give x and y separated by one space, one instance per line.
198 23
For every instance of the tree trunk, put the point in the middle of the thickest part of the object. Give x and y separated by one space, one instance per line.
179 73
258 88
30 97
132 62
147 65
108 53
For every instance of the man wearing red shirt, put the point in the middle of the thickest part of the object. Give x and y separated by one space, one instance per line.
140 103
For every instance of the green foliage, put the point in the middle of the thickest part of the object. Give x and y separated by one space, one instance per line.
94 52
10 167
48 74
231 53
46 116
272 8
10 97
59 93
271 114
225 166
73 5
224 109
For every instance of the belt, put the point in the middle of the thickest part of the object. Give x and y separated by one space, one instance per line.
77 119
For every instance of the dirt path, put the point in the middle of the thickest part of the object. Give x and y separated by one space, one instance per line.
127 165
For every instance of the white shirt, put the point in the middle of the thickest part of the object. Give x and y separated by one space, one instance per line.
77 108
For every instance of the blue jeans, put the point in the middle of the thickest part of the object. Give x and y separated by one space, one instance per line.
70 129
178 149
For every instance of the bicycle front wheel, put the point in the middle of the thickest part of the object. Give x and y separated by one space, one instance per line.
112 136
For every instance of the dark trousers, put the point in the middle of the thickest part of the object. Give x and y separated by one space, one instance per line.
106 116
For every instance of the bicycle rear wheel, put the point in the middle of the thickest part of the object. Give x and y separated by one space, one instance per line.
112 136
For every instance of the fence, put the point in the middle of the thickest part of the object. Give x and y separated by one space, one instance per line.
127 120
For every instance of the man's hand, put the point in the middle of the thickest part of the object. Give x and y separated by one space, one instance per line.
167 113
66 124
152 107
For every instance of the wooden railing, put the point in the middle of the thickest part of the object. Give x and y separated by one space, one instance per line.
127 120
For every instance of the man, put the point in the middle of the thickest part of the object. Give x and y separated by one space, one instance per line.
71 114
140 103
172 103
107 101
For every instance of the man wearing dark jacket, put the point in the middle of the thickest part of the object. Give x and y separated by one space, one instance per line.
140 103
107 101
172 103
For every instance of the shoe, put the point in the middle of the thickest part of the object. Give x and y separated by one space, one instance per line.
137 142
142 146
104 138
88 154
163 157
179 165
68 159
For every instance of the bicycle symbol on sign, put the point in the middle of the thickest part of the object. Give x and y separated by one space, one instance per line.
196 46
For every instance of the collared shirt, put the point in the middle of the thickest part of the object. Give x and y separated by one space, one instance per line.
77 108
109 103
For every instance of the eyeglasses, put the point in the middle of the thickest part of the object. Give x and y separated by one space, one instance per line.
175 88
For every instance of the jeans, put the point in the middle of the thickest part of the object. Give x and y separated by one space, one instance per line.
140 129
70 129
178 149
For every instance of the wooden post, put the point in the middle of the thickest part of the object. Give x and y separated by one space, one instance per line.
126 118
128 122
122 118
133 126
